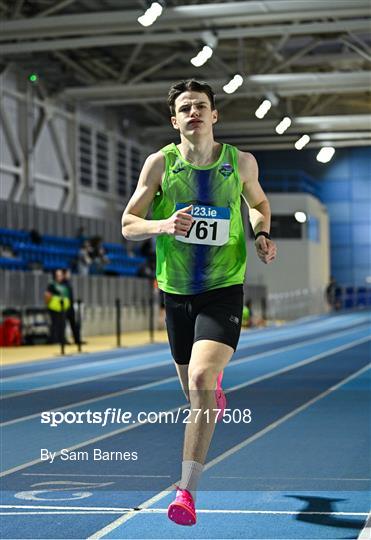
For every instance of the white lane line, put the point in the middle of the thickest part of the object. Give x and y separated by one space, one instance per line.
293 478
302 363
246 340
164 511
94 509
149 502
85 379
143 368
100 475
86 365
57 512
252 335
283 331
93 400
330 352
221 477
365 533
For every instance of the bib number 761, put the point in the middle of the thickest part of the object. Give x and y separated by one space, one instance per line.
202 229
210 225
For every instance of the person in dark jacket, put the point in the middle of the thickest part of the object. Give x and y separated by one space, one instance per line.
70 313
58 303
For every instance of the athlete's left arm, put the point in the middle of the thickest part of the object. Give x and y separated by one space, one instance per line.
259 208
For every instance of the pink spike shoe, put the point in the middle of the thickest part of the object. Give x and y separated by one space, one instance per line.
221 400
182 510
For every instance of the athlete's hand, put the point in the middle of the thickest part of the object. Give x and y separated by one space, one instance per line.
266 249
179 223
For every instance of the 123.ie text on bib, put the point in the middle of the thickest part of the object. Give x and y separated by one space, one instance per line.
210 226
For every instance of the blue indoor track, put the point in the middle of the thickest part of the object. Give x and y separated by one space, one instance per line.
299 469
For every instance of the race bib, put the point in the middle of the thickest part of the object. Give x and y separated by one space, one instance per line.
210 225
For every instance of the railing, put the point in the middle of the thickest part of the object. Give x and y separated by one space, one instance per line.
99 295
303 302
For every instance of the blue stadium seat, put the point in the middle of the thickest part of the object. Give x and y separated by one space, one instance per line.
60 252
12 264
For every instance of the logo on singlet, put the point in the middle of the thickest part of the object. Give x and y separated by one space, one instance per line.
226 170
178 170
178 167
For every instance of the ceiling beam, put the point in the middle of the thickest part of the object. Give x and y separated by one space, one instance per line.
53 9
81 73
328 58
104 67
360 51
17 10
299 54
217 15
328 27
325 136
253 85
241 95
130 62
322 104
154 67
300 124
253 146
360 41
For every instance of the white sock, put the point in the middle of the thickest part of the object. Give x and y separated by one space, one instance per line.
191 472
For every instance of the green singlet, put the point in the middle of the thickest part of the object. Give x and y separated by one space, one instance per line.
214 253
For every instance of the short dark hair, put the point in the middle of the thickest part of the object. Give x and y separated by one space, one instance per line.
189 85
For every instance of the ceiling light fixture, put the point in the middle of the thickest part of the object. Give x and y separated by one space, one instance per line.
301 217
325 154
303 141
151 14
233 84
283 125
263 108
202 57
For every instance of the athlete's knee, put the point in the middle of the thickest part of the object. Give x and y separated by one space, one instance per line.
202 379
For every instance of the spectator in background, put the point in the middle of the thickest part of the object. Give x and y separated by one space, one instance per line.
6 252
84 258
148 268
57 300
247 314
98 255
35 237
333 294
70 313
80 235
161 305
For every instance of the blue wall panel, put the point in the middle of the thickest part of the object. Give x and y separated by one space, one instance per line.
340 234
342 276
342 256
361 234
362 256
339 169
339 211
361 211
361 187
344 186
360 162
336 190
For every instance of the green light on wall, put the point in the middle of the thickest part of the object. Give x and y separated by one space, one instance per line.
33 77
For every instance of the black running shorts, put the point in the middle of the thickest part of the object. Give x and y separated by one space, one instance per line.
215 315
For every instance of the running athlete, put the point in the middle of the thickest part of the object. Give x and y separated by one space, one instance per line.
195 190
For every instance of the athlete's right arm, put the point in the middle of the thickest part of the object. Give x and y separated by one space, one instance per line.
135 226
